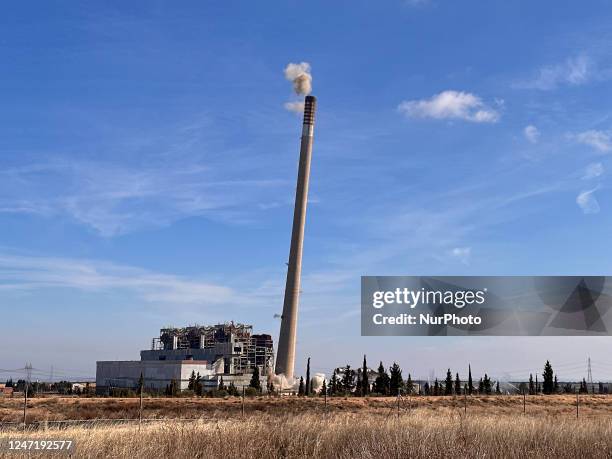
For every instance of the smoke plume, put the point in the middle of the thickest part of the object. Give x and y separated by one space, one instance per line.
296 107
299 75
317 381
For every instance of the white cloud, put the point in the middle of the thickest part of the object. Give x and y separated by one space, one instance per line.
115 199
450 105
593 170
463 254
532 133
26 273
599 140
587 202
574 71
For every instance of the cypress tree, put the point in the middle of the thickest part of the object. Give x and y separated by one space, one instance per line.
333 384
365 384
301 387
324 388
221 384
448 383
396 381
548 386
198 387
348 380
470 384
531 386
409 384
381 383
497 391
307 388
192 378
255 383
457 384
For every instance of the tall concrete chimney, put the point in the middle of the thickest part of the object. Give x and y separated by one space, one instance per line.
285 359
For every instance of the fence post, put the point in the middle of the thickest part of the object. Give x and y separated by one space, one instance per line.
577 403
524 402
242 401
25 404
140 405
464 402
325 399
398 402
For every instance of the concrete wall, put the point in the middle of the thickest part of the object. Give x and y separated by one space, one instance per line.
157 373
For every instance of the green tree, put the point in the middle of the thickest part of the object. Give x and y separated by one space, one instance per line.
486 382
192 378
221 384
301 387
334 384
365 384
436 389
198 386
457 384
255 382
448 383
548 385
307 387
172 389
232 389
409 384
497 390
140 384
470 383
381 383
323 388
348 380
481 386
396 382
531 385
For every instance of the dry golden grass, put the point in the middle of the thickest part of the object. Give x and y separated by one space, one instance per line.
362 434
61 408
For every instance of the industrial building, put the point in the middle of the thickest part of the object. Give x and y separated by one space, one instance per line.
229 351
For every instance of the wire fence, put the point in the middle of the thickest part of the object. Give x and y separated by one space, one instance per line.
210 409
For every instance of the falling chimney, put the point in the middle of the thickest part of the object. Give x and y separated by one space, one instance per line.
285 359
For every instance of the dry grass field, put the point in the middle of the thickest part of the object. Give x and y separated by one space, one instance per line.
344 434
349 428
62 408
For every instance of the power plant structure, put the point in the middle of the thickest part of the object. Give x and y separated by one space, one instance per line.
224 352
285 360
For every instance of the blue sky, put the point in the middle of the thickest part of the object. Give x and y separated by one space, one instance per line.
147 169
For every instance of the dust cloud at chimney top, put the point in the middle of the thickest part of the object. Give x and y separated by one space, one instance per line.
301 78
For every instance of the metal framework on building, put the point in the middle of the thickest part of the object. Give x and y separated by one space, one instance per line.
247 350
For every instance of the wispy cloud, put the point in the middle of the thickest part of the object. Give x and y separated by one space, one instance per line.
115 199
450 105
599 140
27 273
593 170
532 133
587 202
573 71
463 254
